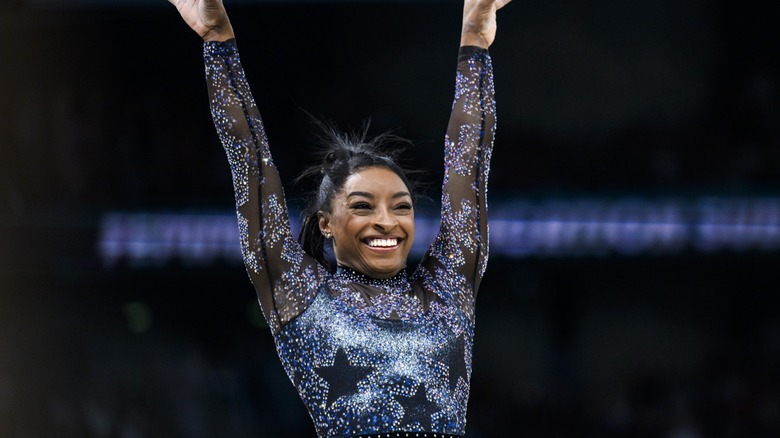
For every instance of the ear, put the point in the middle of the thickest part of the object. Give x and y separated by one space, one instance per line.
324 221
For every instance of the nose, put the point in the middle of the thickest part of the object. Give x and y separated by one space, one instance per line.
384 222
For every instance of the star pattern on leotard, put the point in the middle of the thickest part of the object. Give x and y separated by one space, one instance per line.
417 408
342 377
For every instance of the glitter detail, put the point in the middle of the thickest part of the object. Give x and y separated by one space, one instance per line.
237 153
394 298
462 163
463 295
464 225
292 252
249 257
390 374
295 290
474 88
276 226
446 248
468 139
367 356
483 255
462 87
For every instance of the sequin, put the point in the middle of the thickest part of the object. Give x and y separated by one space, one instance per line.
275 224
381 369
446 248
249 258
367 356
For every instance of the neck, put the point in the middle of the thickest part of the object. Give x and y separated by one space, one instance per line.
351 275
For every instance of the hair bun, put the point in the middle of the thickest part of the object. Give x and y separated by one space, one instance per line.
334 158
331 157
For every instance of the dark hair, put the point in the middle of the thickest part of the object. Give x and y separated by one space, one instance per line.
343 155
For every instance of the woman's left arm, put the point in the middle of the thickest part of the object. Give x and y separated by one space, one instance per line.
458 255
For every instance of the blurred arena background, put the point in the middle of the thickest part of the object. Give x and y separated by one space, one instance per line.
635 207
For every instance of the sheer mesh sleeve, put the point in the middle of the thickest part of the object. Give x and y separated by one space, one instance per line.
458 255
285 278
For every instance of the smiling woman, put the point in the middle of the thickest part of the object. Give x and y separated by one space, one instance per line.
370 349
358 178
371 223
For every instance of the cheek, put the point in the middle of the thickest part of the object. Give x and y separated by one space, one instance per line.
352 224
408 224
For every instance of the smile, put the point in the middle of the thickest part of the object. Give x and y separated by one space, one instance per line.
382 243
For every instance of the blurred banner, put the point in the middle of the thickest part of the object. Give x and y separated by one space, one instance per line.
558 228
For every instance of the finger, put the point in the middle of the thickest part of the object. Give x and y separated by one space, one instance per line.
178 3
501 3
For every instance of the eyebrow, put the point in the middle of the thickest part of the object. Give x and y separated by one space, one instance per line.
371 196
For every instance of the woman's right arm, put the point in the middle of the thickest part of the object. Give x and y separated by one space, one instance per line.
285 278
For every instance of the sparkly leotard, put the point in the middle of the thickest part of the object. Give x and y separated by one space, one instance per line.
367 356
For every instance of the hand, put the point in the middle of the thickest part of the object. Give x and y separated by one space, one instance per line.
206 17
479 22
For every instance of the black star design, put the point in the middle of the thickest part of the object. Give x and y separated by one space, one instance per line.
419 409
342 376
458 364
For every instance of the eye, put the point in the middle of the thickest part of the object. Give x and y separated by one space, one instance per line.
361 206
404 207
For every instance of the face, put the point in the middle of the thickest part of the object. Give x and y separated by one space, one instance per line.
372 223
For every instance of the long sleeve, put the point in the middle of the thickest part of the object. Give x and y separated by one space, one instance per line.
458 256
285 278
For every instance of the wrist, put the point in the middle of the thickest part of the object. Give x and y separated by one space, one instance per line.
471 38
219 34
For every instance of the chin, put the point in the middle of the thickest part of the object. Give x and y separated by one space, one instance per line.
386 271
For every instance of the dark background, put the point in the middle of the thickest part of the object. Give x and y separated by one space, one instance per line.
104 109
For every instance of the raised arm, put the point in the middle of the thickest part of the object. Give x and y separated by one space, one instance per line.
458 256
285 278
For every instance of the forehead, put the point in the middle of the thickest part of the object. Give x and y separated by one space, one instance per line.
374 180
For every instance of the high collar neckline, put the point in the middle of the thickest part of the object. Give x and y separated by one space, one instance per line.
398 281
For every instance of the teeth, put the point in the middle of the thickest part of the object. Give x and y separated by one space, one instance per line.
383 242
